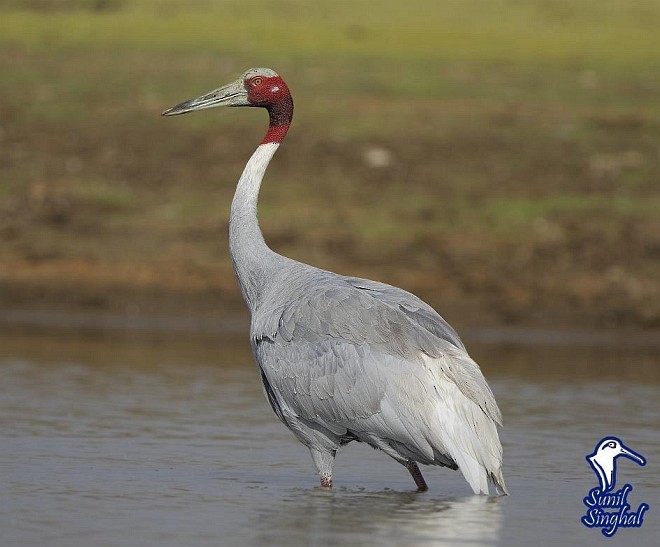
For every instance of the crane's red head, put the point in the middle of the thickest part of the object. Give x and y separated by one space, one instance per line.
257 87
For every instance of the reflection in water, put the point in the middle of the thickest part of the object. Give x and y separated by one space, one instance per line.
317 517
132 440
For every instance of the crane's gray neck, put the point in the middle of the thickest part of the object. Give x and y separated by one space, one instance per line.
253 260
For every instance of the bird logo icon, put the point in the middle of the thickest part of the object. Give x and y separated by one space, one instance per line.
603 460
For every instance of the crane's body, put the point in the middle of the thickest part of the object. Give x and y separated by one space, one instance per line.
346 359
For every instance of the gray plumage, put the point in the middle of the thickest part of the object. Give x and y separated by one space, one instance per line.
346 359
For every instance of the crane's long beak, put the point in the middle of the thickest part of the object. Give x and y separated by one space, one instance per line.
233 94
634 456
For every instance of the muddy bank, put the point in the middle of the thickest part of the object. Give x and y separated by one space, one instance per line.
510 207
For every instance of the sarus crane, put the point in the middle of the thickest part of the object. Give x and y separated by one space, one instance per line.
347 359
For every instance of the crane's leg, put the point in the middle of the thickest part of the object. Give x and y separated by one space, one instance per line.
412 467
324 460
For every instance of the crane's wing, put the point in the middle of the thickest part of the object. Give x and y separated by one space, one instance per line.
341 391
341 312
344 359
414 307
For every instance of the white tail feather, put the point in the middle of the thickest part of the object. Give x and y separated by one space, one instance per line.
466 433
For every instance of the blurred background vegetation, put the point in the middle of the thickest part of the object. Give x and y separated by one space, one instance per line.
500 158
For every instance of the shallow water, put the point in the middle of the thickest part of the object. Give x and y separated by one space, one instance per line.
139 440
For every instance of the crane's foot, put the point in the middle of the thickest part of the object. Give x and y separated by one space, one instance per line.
323 460
417 476
326 480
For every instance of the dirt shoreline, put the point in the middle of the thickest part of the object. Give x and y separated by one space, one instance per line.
506 194
237 324
217 309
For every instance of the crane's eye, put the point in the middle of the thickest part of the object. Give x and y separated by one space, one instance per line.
256 82
611 445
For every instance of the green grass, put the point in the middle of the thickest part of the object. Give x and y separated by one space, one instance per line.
514 213
523 138
611 31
